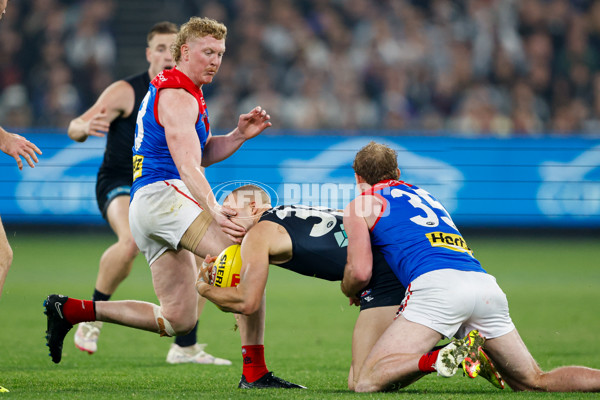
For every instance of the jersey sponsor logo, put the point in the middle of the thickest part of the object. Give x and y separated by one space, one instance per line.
449 241
341 237
365 296
138 162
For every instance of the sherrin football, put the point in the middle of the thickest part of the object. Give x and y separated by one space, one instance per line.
227 267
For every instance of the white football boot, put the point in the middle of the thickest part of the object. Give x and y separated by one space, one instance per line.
458 352
193 354
86 336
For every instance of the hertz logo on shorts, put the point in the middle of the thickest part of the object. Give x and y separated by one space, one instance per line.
138 161
449 241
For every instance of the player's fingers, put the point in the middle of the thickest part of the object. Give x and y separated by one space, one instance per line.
19 162
27 158
100 126
29 154
236 230
33 147
234 239
228 212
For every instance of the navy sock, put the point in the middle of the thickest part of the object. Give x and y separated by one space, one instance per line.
99 296
187 340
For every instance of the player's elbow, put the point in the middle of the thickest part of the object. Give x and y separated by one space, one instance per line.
73 132
360 276
249 307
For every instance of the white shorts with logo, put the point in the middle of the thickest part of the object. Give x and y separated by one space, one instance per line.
454 302
159 215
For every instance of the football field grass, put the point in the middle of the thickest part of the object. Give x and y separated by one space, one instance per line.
552 284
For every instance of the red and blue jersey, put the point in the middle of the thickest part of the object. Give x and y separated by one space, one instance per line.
152 160
416 234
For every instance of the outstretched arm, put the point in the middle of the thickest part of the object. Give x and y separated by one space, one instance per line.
17 146
218 148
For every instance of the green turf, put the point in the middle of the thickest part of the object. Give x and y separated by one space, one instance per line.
552 285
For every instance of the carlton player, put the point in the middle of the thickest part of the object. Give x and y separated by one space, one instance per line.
310 241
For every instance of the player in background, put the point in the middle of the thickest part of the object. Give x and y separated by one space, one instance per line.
310 241
114 116
15 146
448 292
173 213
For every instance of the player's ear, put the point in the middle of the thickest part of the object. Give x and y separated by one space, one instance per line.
185 52
398 177
253 207
148 51
359 179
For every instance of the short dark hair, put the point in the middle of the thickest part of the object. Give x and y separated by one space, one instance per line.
161 28
376 162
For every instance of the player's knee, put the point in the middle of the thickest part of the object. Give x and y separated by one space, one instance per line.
129 247
173 323
182 326
528 382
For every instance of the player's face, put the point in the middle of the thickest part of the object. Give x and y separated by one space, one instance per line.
158 52
3 8
243 209
205 55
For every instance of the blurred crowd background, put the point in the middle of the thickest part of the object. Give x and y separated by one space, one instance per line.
472 67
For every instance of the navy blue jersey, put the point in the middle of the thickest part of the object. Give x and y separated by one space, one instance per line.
117 162
320 249
416 234
319 242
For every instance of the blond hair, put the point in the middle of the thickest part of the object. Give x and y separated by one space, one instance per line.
195 28
376 162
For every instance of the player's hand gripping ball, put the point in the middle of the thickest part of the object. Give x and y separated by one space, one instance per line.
227 267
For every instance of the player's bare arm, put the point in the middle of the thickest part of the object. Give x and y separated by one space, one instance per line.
178 112
359 265
117 100
247 296
249 125
17 146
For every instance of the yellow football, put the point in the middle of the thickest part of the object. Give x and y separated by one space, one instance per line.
227 267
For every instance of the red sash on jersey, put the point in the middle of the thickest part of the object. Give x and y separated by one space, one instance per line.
175 79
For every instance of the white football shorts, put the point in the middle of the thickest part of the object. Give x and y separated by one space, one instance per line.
454 302
159 215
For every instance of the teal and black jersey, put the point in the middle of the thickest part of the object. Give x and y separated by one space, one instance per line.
416 234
